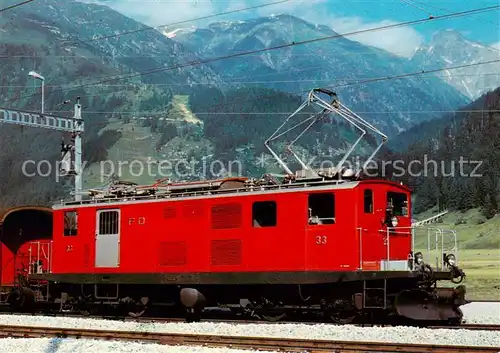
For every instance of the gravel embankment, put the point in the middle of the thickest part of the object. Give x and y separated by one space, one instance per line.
48 345
475 313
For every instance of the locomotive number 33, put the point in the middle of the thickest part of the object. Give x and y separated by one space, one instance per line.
321 239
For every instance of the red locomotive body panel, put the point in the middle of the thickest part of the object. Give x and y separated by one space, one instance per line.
215 234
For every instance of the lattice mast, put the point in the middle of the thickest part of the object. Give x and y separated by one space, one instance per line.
73 124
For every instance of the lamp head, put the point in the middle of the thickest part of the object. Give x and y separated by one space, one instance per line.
36 75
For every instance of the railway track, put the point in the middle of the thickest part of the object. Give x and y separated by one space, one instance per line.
255 343
484 327
159 320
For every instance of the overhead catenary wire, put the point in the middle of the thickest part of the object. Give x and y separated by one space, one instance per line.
447 10
16 5
412 4
443 9
143 113
416 73
282 46
356 82
297 93
141 117
229 83
74 56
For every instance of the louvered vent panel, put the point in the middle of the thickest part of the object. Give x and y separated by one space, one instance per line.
226 252
169 212
86 255
172 253
192 210
226 216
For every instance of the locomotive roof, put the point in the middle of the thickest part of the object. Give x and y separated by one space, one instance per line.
215 189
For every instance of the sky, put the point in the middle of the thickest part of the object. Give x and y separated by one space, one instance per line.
341 15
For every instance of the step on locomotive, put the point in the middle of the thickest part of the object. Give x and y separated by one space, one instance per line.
328 241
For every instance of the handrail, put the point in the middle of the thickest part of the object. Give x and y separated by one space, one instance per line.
439 248
41 254
430 219
165 194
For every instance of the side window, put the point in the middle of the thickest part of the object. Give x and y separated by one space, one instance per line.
108 222
368 201
70 223
398 203
321 208
264 214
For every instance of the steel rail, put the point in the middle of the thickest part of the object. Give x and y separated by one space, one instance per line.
259 343
167 320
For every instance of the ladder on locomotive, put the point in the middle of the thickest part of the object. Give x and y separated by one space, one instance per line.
380 288
43 254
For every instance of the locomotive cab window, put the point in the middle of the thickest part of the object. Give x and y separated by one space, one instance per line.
321 209
264 214
70 223
368 201
398 203
108 222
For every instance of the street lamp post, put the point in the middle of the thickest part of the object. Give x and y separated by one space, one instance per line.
41 78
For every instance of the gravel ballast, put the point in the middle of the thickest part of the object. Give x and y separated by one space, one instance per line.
48 345
482 313
475 313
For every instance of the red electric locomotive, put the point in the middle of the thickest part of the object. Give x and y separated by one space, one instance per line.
320 240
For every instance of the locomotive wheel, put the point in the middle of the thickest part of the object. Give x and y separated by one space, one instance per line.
21 300
15 301
274 318
193 314
342 317
139 308
266 309
86 306
88 309
341 311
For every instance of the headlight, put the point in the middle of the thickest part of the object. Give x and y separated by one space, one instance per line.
419 258
394 221
451 260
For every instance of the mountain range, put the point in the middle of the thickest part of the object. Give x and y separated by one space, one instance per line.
199 109
337 63
448 48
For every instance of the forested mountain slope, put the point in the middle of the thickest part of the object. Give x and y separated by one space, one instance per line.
459 167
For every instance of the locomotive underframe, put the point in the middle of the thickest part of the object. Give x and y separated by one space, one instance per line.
339 296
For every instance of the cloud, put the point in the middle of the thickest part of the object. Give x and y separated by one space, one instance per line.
401 41
495 45
159 12
293 7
